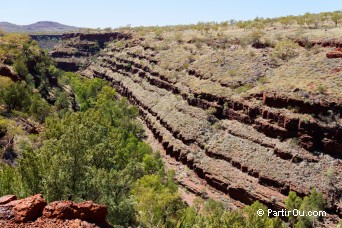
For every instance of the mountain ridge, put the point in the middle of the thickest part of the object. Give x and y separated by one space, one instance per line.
37 27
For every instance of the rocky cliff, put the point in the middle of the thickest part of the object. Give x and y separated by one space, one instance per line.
77 50
35 212
46 42
212 111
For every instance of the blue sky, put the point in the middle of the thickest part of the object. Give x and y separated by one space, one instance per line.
113 13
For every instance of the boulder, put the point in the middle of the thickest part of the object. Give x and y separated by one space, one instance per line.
7 199
61 210
34 212
24 210
93 212
28 209
336 53
86 211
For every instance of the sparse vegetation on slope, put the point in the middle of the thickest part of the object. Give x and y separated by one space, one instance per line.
250 115
95 153
247 110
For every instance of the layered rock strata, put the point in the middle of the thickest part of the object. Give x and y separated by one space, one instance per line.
255 147
77 50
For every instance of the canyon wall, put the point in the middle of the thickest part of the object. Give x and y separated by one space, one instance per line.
256 146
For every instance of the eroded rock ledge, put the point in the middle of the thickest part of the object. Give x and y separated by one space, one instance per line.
71 56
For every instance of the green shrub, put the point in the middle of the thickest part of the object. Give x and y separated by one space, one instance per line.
39 108
158 33
293 202
313 202
10 181
321 89
336 17
16 96
263 80
339 224
157 204
179 37
285 49
20 67
244 88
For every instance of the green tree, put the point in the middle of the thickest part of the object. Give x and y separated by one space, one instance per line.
286 21
20 67
293 202
313 202
39 108
62 102
253 220
213 212
10 181
85 90
275 223
300 21
233 219
152 164
157 204
312 19
16 96
336 17
189 218
30 171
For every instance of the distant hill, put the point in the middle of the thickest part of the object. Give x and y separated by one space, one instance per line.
39 27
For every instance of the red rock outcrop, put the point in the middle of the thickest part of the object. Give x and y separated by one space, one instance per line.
86 211
336 53
324 42
23 210
35 212
7 199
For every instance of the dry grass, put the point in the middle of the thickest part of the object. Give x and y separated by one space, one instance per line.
227 64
